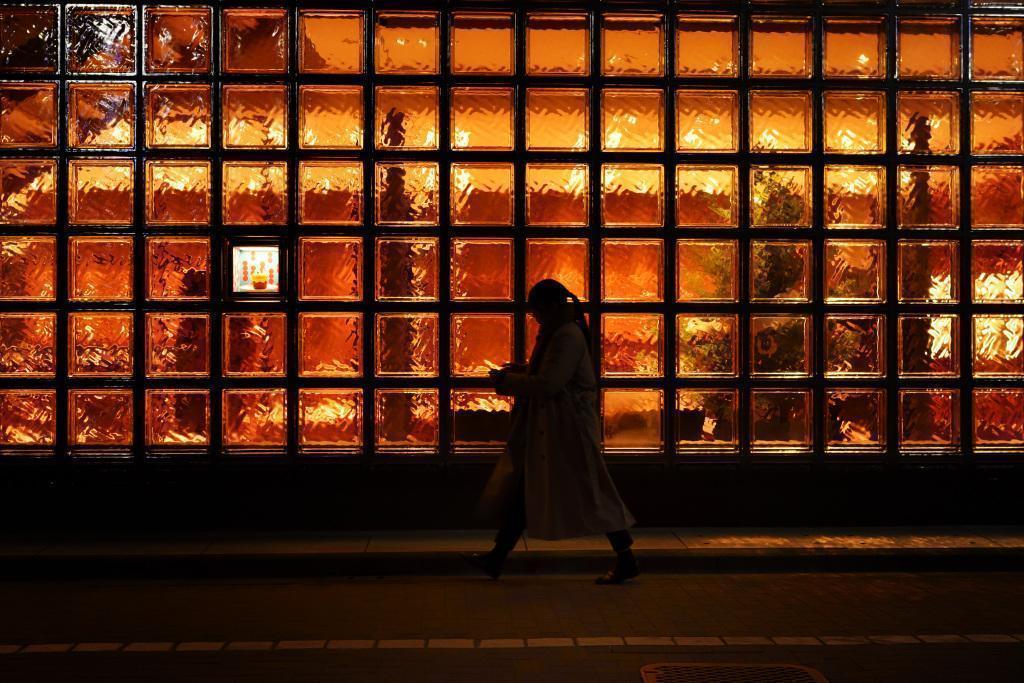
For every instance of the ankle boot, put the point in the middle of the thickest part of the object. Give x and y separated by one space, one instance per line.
626 567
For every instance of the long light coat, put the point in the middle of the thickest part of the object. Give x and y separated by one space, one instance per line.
555 444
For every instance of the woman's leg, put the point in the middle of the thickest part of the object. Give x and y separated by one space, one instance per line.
621 540
512 527
626 566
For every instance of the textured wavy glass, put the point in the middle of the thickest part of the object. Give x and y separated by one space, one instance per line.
101 191
997 271
29 192
330 41
101 115
707 196
330 192
254 418
178 39
100 344
481 194
707 120
481 269
631 345
928 48
178 192
854 47
998 348
997 196
780 271
557 44
407 193
997 123
254 40
854 271
929 420
177 345
481 119
178 116
28 417
255 344
331 418
997 48
482 43
781 421
254 193
854 421
929 122
100 417
855 197
632 195
406 117
928 345
780 121
100 40
929 196
998 420
557 119
406 344
557 194
28 115
330 344
780 196
330 268
406 421
707 345
707 271
780 47
28 268
928 271
330 117
707 421
28 344
633 119
707 45
632 44
854 121
100 268
631 420
480 342
178 268
407 269
407 43
632 270
780 345
479 419
254 116
566 260
177 418
28 43
854 346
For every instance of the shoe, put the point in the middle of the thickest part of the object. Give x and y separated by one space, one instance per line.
484 562
626 568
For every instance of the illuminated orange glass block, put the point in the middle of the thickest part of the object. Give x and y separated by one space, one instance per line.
100 268
255 344
178 39
632 270
854 271
929 420
406 420
330 344
929 122
855 197
330 41
707 120
481 194
177 345
100 191
998 420
997 48
780 271
331 418
780 345
707 271
928 345
781 421
557 44
407 43
28 417
997 196
855 47
854 421
780 120
406 117
254 192
482 43
929 196
28 192
254 418
28 115
781 46
28 344
330 192
854 346
178 192
254 40
631 345
928 271
481 269
564 260
254 116
481 119
407 193
28 268
30 38
557 194
330 268
854 121
707 420
997 270
100 417
780 196
178 116
407 269
632 44
100 344
480 420
633 120
480 342
632 195
100 39
707 45
557 119
997 123
707 345
177 417
998 348
330 117
101 115
707 196
928 48
406 344
631 420
178 268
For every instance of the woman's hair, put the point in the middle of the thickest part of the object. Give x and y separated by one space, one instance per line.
547 293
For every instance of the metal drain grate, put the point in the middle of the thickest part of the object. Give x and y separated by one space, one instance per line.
682 672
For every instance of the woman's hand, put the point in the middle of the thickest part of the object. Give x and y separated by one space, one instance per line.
515 367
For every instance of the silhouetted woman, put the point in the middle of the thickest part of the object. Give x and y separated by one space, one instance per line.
552 477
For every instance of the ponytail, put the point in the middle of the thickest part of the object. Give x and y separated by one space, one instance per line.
578 315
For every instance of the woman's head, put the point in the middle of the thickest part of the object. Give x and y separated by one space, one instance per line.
546 299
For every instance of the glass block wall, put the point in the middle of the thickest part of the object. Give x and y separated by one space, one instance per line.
307 228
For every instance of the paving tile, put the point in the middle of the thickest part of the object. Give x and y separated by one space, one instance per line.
588 543
796 640
654 539
400 644
46 648
148 647
301 644
451 643
200 646
599 641
305 544
894 640
941 638
431 541
97 647
502 643
698 641
990 638
250 645
350 644
746 640
550 642
9 649
844 640
649 640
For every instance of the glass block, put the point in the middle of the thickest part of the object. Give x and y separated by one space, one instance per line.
929 197
178 116
632 195
707 420
255 418
100 40
928 345
28 191
780 271
406 421
854 121
632 44
855 47
330 268
330 344
178 39
178 268
997 48
407 43
855 197
564 260
178 192
557 119
780 345
854 271
781 421
854 346
101 191
177 417
929 420
177 345
100 344
28 115
330 117
631 420
557 44
557 194
997 196
28 43
255 268
781 47
929 122
998 420
631 345
780 196
28 417
407 193
254 40
406 118
707 345
482 43
28 268
707 45
406 344
998 349
707 196
480 342
928 271
101 115
330 192
480 420
707 121
254 192
707 271
481 269
407 269
632 270
481 119
997 123
780 121
330 41
854 421
928 48
481 193
28 344
254 116
100 417
632 119
997 269
100 268
331 418
255 344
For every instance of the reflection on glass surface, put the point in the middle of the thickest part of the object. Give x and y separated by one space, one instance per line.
632 270
28 268
331 418
177 418
854 345
406 421
854 421
330 268
100 268
780 421
100 417
707 420
177 344
929 420
254 418
30 417
330 344
631 345
631 420
28 344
